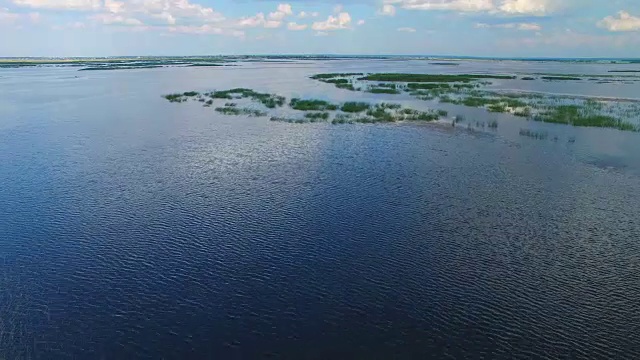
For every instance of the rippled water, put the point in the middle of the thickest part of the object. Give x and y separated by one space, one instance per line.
132 227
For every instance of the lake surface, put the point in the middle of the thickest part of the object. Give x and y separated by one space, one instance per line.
134 227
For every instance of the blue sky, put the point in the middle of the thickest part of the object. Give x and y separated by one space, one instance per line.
527 28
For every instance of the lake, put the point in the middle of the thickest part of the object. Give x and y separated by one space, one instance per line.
134 227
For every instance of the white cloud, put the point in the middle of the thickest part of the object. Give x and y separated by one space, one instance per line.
206 29
529 27
341 21
166 17
258 20
74 25
7 17
274 20
407 29
296 27
283 11
360 22
499 7
111 19
453 5
387 10
34 17
528 7
252 21
61 4
113 6
518 26
272 24
304 14
624 22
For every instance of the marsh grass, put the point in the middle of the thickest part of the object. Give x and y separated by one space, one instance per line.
560 78
355 107
577 116
312 105
317 115
269 100
336 81
305 120
428 86
116 67
377 90
346 87
438 78
177 98
233 110
334 75
386 85
525 112
458 119
342 119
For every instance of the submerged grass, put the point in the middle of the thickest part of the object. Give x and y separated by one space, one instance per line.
378 90
540 135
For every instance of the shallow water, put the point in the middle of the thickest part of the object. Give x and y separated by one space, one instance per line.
133 227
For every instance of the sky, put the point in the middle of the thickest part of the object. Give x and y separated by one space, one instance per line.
485 28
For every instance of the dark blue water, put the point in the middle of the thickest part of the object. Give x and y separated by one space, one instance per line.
131 227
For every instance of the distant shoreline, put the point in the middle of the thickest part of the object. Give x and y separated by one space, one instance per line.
71 60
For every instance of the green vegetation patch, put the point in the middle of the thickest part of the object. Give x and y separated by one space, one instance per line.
116 67
312 105
305 120
269 100
337 81
346 87
234 110
317 116
575 115
334 75
560 78
392 77
177 98
428 86
355 107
